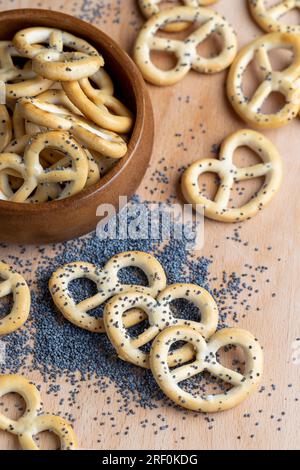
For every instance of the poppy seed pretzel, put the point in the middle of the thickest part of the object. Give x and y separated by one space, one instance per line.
280 81
108 285
268 18
53 63
103 109
5 127
243 384
160 316
27 83
150 8
32 422
33 172
88 134
186 50
13 283
270 168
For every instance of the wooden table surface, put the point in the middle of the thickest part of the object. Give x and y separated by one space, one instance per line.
198 105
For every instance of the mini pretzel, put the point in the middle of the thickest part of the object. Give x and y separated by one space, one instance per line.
58 117
185 51
268 18
284 81
103 109
28 42
151 7
5 127
206 360
160 317
28 83
32 423
53 63
108 285
13 283
34 174
228 173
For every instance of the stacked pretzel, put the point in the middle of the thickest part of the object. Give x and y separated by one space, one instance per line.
129 305
61 127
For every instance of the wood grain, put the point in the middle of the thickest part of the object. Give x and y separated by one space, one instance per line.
277 324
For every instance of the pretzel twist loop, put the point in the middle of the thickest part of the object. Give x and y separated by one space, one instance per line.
283 81
32 423
185 51
53 63
108 285
268 18
13 283
160 316
243 384
270 168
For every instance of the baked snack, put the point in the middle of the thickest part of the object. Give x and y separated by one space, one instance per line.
250 108
33 422
268 17
185 51
218 209
243 384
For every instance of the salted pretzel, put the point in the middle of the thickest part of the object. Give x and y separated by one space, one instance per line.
151 7
52 62
34 174
270 168
186 50
268 18
19 82
243 384
101 108
108 285
13 283
160 316
5 127
283 81
88 134
32 422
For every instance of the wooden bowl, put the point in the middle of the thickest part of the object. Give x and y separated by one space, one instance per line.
57 221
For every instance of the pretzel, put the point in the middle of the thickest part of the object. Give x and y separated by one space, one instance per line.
34 174
151 7
28 83
268 18
103 81
88 134
53 63
32 423
206 360
160 317
108 285
5 127
29 42
13 283
185 51
103 109
283 81
228 173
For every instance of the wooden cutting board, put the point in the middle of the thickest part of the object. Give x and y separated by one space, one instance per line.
198 107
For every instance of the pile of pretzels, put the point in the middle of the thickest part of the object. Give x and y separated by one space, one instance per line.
62 128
